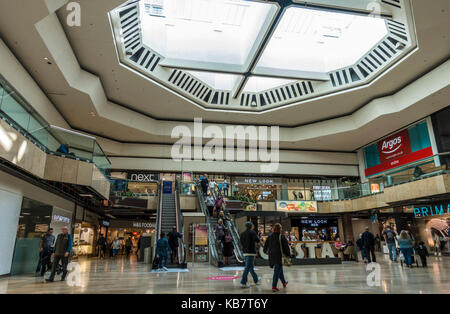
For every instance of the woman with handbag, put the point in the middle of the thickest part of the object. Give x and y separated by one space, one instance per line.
277 247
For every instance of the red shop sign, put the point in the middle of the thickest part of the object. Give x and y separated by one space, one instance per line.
394 146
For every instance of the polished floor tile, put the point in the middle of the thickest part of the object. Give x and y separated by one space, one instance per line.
128 276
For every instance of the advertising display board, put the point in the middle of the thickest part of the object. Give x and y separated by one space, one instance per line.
399 149
296 206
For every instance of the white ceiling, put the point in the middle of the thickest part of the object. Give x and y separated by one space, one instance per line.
93 46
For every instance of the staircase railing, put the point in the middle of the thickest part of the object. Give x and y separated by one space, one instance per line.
211 234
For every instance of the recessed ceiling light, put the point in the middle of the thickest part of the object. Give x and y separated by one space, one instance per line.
92 113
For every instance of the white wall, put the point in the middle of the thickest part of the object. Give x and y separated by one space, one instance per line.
10 205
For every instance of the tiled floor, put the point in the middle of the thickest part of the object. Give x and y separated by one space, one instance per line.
127 276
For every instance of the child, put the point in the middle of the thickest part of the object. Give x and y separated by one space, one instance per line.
422 251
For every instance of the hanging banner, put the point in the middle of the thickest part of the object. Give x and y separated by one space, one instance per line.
296 206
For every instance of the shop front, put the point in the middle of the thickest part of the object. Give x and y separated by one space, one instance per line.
257 189
85 233
134 229
35 219
433 224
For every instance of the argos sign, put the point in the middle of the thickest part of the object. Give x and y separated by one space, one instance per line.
399 149
394 146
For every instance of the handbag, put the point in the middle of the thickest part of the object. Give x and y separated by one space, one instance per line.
285 260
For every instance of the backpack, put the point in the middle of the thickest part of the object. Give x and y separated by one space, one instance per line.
390 236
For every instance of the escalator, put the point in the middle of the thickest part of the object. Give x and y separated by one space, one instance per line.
237 258
215 250
169 215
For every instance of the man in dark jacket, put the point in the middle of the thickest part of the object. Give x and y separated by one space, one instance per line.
61 252
45 247
173 236
249 239
368 241
273 248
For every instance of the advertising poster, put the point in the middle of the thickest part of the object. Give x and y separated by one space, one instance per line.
399 149
297 206
201 235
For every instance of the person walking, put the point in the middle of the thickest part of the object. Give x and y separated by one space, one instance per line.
45 251
227 248
276 246
218 204
369 245
225 187
422 251
116 245
360 245
162 249
406 247
101 244
210 204
128 246
61 252
174 235
390 236
212 186
204 184
249 240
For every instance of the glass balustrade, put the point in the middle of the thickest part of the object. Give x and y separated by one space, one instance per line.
21 116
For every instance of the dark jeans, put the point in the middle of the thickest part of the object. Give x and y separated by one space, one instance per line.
423 259
370 250
46 262
173 254
407 253
278 274
128 248
249 268
162 256
64 260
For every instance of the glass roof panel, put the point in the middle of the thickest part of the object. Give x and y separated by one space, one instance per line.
207 31
257 84
218 81
320 41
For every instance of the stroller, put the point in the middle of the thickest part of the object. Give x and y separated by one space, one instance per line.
402 258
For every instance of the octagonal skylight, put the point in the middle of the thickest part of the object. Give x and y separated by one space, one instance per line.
260 53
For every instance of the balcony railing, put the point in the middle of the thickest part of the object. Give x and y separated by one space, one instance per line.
21 116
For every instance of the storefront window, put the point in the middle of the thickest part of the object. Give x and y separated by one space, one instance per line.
34 221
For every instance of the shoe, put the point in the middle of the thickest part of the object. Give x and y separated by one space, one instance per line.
49 280
243 286
259 281
285 284
165 269
275 289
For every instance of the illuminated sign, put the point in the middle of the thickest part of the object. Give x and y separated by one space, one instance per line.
427 211
61 218
296 206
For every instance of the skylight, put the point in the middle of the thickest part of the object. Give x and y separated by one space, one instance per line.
217 81
320 41
258 84
205 33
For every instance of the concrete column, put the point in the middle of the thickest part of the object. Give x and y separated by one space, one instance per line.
348 228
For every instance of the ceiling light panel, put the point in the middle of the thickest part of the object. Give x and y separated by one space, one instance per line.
321 41
217 81
258 84
208 31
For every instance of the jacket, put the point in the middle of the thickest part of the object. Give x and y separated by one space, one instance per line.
249 238
162 247
63 244
368 239
173 238
272 248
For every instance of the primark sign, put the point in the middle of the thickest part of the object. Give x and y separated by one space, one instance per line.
430 211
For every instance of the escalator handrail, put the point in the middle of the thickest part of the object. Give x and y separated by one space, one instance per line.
211 233
232 227
181 255
158 220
